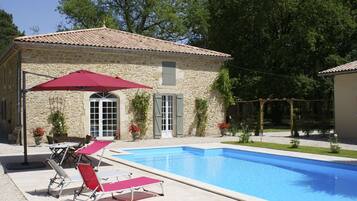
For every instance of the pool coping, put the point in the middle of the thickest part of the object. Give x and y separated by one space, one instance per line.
212 188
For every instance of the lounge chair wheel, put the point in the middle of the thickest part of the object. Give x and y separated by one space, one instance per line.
57 196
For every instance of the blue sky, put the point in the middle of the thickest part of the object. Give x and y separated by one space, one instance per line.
29 13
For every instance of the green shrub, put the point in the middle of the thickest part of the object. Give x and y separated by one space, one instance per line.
57 119
246 133
140 106
201 106
334 146
295 143
234 127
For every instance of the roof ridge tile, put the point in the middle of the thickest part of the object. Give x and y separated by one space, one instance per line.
58 33
161 40
113 38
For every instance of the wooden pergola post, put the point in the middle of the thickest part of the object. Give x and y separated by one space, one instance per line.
291 103
261 115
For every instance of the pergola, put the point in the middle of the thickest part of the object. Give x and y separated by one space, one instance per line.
262 102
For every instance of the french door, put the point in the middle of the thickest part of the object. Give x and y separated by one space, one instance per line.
103 115
167 116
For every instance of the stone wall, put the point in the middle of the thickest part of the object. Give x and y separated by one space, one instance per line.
8 94
194 76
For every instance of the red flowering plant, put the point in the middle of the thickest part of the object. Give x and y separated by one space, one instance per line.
223 127
38 132
135 131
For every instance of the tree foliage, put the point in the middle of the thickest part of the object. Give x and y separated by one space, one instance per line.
172 20
8 30
280 46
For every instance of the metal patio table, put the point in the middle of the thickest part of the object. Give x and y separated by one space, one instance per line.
62 151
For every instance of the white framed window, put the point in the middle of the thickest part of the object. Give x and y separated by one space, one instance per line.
103 115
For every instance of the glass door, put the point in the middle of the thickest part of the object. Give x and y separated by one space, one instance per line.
167 116
103 115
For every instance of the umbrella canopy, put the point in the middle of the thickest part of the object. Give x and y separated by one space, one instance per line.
81 80
84 80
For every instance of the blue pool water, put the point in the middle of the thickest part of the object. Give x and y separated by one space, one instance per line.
267 176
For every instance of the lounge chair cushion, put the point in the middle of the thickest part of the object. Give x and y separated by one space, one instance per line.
93 147
127 184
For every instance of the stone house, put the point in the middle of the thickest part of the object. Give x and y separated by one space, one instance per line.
177 73
345 97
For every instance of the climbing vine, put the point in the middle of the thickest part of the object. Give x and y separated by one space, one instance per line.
201 106
140 106
223 85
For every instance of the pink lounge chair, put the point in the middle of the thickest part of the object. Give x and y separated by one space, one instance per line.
98 189
93 148
61 179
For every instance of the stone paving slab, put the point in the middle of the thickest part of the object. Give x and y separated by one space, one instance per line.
33 185
9 191
274 137
33 188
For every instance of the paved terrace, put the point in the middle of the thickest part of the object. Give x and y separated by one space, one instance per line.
31 185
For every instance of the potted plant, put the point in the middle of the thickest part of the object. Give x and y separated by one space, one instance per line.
117 134
38 134
59 128
135 131
295 143
223 127
49 139
334 146
87 139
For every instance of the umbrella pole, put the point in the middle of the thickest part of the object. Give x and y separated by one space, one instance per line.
24 91
25 164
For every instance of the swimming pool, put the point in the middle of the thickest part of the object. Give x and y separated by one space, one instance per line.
267 176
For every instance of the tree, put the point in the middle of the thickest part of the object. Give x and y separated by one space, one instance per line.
8 30
279 46
173 20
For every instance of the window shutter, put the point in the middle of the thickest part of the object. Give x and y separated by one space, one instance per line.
157 115
179 115
169 73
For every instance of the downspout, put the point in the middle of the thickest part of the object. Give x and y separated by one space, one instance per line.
18 79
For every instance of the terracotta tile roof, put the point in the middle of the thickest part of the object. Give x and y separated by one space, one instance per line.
345 68
112 38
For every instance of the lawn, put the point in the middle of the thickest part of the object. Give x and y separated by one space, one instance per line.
269 130
302 149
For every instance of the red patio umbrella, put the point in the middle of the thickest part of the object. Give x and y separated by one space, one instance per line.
81 80
84 80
